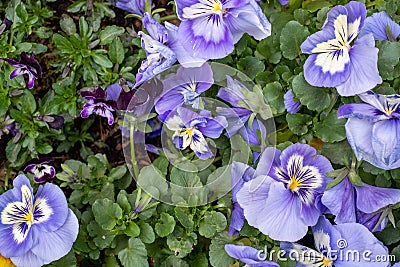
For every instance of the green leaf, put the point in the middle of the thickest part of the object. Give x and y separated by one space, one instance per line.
337 153
12 151
27 102
330 129
63 44
67 24
212 223
68 260
116 51
314 5
152 182
135 255
268 50
218 255
109 33
388 59
184 217
292 36
146 233
298 123
117 172
102 60
132 230
273 94
106 213
166 225
315 98
181 242
251 66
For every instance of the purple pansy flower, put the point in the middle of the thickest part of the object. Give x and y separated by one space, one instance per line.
361 204
248 255
240 173
52 121
162 50
242 117
283 2
35 230
27 65
339 245
41 169
185 88
372 129
381 26
132 6
98 104
334 61
210 28
282 200
291 105
190 129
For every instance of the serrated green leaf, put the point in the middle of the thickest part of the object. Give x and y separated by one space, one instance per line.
298 123
146 233
315 98
218 255
106 213
135 255
184 217
212 223
273 94
251 66
166 225
293 35
330 129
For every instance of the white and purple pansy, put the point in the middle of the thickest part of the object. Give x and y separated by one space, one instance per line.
26 65
283 200
292 106
210 28
184 88
381 26
249 255
162 50
190 129
98 104
347 245
372 129
35 230
368 205
41 169
336 61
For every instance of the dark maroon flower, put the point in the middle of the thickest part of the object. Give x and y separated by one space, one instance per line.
27 65
53 121
41 169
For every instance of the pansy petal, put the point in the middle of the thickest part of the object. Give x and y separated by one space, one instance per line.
386 144
52 246
17 72
16 240
169 101
359 136
371 198
214 127
154 28
377 23
183 56
361 111
28 259
356 13
206 37
236 221
51 208
364 74
325 235
248 19
358 238
340 200
248 255
269 157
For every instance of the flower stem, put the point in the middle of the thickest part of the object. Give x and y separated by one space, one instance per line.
170 17
133 155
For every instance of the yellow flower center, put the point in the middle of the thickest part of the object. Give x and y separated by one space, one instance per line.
4 262
294 183
29 217
389 111
189 131
217 7
326 262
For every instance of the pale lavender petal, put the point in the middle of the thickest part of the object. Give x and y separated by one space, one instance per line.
325 235
248 19
386 144
377 23
359 238
269 157
359 136
52 246
364 74
356 13
155 29
206 37
248 255
214 127
291 105
371 198
361 111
